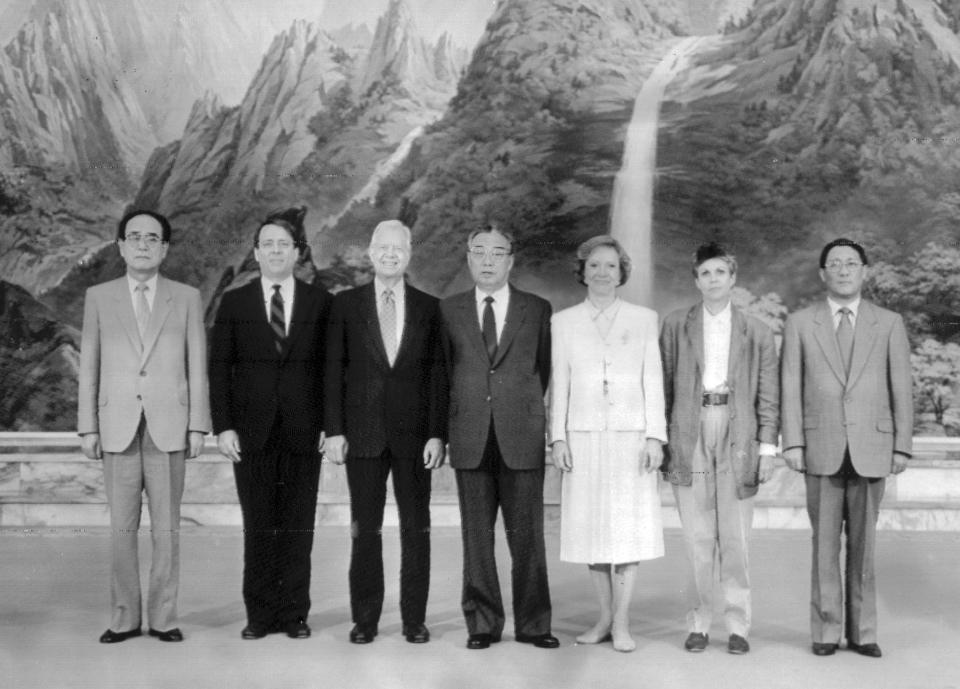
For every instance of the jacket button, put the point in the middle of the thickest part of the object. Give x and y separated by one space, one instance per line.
139 397
489 398
143 374
492 371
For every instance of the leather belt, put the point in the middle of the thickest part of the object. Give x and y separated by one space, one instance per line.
715 399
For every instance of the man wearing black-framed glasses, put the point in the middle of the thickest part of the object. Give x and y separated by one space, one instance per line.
847 423
143 409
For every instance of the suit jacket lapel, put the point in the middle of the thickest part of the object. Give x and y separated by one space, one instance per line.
826 335
471 324
693 329
516 314
124 311
864 338
411 320
162 303
301 306
374 337
738 340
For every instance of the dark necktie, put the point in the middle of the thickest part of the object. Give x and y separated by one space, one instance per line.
277 321
489 328
845 338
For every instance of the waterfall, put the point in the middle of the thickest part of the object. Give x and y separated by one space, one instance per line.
631 210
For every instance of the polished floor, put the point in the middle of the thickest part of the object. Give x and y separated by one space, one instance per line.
53 607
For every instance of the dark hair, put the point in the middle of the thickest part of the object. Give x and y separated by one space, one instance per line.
489 227
589 246
843 242
710 250
290 219
130 215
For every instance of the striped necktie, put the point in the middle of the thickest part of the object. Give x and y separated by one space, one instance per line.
277 320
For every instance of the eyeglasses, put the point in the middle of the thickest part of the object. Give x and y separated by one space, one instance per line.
835 265
269 244
134 239
388 248
496 255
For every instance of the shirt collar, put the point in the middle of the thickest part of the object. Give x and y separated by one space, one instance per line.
286 286
854 307
379 288
150 283
501 296
723 316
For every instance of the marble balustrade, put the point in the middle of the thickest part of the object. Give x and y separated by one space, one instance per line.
45 482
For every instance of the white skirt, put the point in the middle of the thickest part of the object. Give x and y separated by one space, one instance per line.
610 508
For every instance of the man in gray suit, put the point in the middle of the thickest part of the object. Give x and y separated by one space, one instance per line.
143 409
847 415
496 342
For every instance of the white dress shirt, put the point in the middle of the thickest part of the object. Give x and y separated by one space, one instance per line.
150 294
398 302
854 306
286 291
716 348
501 300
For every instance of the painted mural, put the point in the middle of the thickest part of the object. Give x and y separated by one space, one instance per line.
771 125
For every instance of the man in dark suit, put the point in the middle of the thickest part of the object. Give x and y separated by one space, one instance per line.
143 411
847 414
266 392
497 349
385 411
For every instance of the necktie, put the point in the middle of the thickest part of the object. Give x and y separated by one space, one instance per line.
388 325
489 328
143 308
277 320
845 338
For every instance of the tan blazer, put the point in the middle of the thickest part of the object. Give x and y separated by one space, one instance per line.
754 393
165 378
871 413
628 359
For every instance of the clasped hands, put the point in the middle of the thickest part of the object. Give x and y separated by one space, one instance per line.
794 458
337 448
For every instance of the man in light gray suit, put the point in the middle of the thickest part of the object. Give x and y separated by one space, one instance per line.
143 409
847 419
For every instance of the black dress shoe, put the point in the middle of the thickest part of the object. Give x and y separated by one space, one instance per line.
170 635
254 631
737 645
477 642
539 640
824 649
362 634
112 637
298 629
696 642
869 650
416 633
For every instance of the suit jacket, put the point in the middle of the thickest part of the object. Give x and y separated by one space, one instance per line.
753 404
628 359
251 384
375 405
825 412
164 378
510 390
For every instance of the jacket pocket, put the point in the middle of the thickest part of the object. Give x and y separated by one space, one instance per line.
885 425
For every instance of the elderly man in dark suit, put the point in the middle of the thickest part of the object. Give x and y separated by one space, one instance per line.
497 349
846 400
266 391
722 398
143 410
385 413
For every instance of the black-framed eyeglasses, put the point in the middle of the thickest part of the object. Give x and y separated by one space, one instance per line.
496 255
835 265
151 240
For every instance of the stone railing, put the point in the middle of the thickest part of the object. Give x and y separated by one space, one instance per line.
46 482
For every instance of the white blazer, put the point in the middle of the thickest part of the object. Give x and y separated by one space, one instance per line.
628 359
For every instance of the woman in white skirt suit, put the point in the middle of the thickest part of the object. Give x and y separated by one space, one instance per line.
607 429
